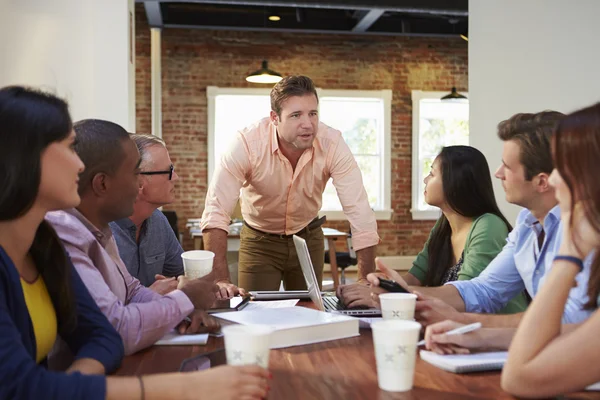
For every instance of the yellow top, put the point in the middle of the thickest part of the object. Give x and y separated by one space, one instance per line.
42 314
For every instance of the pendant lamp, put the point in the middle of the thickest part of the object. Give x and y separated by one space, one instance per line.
264 75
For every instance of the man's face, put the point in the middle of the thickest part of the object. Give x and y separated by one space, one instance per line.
124 185
511 172
298 124
157 190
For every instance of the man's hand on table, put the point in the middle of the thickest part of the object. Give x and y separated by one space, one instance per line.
356 294
198 322
227 290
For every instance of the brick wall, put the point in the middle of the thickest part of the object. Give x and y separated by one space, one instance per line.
195 59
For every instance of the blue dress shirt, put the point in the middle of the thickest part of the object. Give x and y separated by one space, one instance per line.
158 251
522 265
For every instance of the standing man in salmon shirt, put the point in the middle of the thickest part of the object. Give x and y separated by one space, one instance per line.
282 164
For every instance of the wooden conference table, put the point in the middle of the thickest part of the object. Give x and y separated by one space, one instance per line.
331 236
341 369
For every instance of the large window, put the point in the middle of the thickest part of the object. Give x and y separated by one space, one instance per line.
363 117
436 124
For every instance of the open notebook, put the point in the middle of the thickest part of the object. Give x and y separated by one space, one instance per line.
461 363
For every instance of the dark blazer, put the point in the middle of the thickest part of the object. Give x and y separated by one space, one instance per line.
94 337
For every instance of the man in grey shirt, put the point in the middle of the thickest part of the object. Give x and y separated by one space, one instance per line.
146 241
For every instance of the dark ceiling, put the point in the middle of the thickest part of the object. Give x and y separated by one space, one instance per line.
375 17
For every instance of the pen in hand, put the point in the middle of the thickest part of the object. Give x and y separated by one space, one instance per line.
458 331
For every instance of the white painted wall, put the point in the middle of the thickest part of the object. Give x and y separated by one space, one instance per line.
527 56
79 49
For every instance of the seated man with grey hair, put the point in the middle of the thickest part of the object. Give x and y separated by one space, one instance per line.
147 244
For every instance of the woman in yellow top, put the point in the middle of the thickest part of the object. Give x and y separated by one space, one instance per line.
42 314
41 294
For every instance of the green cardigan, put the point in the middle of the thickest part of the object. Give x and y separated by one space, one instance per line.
485 240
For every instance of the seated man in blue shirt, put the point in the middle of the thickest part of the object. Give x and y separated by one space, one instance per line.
526 258
146 241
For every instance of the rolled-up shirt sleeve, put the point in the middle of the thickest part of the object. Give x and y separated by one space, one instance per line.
224 189
347 180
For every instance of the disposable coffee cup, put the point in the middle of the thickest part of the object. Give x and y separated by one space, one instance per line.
247 344
395 353
197 263
398 305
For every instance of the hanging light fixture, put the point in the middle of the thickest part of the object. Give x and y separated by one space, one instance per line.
264 75
454 95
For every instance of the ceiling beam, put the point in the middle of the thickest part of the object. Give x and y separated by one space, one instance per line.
153 14
308 31
437 7
367 20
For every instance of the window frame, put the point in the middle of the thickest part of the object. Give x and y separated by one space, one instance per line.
385 213
417 96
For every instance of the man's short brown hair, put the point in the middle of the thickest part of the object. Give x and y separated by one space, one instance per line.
533 133
291 86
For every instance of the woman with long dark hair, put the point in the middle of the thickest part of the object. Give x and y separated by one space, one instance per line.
545 359
42 296
471 230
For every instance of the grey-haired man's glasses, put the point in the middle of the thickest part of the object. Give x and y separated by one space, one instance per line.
170 172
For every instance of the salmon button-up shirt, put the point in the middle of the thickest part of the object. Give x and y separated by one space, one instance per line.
278 199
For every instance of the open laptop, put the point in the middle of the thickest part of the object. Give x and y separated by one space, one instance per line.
325 303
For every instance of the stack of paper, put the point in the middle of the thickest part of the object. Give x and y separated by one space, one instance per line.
296 326
174 338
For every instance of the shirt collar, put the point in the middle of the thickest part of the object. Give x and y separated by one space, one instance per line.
103 236
552 218
274 142
126 224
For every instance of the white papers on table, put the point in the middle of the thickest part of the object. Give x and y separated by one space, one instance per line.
261 305
296 325
173 338
595 387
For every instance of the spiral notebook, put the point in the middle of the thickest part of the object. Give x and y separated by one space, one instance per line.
461 363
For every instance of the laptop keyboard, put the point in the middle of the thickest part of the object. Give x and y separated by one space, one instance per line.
333 303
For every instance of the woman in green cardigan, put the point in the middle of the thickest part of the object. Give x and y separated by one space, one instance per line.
471 230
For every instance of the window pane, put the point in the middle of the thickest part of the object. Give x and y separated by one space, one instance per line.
440 124
361 122
233 113
359 119
370 167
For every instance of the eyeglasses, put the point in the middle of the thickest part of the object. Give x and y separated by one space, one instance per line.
170 172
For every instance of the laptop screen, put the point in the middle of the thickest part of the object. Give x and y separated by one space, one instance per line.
309 273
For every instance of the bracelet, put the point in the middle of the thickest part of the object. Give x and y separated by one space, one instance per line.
141 387
572 259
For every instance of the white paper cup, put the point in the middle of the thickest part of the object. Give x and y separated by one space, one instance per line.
395 353
398 305
247 344
197 263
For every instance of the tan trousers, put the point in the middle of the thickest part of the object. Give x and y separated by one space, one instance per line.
265 260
